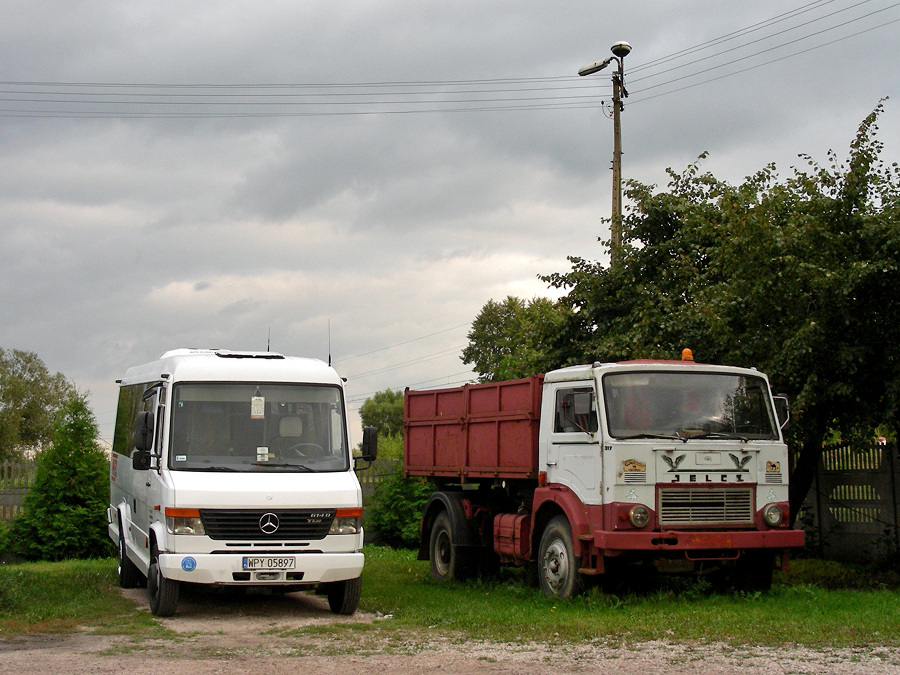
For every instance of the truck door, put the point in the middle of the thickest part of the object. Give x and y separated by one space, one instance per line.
573 443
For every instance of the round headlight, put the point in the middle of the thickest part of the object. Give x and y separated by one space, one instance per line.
773 515
639 516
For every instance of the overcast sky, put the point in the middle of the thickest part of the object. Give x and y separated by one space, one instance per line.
207 174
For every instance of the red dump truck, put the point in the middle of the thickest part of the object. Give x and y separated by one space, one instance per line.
670 465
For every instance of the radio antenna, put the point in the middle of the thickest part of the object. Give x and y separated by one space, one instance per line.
329 342
269 340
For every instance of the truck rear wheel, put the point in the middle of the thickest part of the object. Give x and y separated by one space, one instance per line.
557 564
343 596
163 592
448 563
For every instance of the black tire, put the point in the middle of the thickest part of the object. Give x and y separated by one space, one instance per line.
163 593
557 564
448 562
343 596
129 575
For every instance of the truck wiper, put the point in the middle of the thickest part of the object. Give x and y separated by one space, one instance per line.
686 434
665 437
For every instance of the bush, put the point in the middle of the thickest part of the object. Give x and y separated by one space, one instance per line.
63 515
397 504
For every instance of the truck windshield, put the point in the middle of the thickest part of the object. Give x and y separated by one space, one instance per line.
688 405
257 427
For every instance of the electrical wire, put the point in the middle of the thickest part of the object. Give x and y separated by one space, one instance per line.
98 100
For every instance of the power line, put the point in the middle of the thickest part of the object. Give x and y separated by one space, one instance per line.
122 100
405 342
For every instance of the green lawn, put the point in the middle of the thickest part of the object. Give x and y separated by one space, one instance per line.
804 607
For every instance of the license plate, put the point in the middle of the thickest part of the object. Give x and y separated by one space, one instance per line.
268 563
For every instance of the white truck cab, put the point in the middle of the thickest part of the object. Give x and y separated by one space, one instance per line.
234 469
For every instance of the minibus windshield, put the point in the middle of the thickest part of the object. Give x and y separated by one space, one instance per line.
257 427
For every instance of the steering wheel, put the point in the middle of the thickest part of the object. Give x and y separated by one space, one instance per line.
314 449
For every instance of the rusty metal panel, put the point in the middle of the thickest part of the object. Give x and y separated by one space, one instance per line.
475 431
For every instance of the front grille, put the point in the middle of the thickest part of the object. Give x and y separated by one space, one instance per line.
244 525
711 506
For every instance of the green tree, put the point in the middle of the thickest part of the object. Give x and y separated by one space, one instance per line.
798 277
30 398
384 411
396 509
514 338
63 514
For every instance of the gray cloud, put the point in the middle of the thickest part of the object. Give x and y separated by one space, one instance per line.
122 237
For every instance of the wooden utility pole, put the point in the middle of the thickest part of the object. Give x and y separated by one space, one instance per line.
616 226
620 50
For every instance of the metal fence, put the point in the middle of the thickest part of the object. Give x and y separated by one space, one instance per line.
369 476
851 512
15 481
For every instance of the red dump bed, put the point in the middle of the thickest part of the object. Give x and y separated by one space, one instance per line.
473 432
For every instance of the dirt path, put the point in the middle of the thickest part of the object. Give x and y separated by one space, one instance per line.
258 636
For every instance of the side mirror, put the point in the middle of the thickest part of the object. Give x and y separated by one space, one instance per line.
369 444
783 411
143 440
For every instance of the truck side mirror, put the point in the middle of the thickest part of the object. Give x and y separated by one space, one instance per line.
143 440
783 411
369 444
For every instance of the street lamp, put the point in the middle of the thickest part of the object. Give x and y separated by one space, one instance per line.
620 50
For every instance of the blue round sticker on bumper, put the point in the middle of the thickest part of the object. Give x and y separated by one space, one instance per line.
188 564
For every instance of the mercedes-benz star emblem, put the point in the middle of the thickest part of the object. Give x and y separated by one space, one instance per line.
268 523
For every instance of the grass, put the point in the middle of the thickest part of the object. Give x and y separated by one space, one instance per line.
64 596
817 604
508 610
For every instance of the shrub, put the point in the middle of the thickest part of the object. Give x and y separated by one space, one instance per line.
397 504
63 515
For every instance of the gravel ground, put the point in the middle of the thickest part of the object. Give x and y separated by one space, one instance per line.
256 636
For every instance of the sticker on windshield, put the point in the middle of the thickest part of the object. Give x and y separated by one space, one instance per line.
262 454
257 408
180 458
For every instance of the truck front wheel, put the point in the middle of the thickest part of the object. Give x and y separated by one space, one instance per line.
557 565
448 563
163 592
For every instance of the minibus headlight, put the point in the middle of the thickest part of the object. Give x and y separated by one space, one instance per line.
184 521
346 521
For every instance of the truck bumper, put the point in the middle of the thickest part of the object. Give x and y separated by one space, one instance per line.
697 541
228 570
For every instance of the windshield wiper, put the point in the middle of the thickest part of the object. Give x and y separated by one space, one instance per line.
686 434
665 437
299 467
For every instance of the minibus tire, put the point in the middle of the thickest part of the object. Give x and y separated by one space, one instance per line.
163 593
343 596
129 575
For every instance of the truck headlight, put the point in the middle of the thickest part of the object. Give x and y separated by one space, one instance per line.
346 521
639 516
773 515
184 521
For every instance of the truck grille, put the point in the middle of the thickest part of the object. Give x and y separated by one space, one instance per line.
698 506
274 525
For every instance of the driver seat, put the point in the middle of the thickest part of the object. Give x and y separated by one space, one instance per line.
290 431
